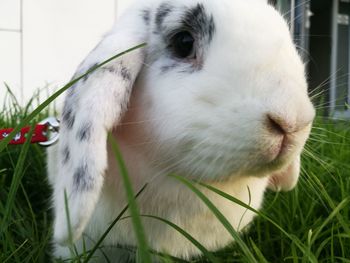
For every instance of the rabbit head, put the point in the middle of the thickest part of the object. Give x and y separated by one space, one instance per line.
223 94
218 92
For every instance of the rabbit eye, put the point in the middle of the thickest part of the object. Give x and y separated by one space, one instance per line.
182 45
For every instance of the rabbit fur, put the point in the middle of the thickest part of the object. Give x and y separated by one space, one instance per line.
235 114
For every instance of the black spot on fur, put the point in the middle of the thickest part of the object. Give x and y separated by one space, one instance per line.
71 90
167 68
68 117
84 132
162 12
125 101
65 155
125 73
85 78
121 69
200 22
82 179
146 16
110 69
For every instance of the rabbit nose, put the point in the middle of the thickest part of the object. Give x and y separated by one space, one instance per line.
283 125
277 124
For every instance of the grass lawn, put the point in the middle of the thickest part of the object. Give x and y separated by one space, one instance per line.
309 224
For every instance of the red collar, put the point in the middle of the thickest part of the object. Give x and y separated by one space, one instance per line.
45 133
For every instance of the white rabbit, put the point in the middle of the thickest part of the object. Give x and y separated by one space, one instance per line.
219 95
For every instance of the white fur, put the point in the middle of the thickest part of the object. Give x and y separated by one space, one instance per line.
208 124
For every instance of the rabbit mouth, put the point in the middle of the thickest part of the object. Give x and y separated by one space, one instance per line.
278 156
283 150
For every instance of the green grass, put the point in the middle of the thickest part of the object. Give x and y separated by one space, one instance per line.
25 222
309 224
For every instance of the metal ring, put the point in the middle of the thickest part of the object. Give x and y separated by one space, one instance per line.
54 127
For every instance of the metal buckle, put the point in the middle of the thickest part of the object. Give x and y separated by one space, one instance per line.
52 131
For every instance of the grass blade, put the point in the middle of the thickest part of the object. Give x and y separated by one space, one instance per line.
99 242
329 218
16 179
15 251
71 246
205 252
257 251
220 217
135 216
301 246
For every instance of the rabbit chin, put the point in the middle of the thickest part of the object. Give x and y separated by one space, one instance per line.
287 178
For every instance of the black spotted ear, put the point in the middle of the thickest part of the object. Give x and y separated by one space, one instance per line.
92 107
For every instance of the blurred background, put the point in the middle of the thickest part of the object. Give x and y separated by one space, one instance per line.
42 42
322 34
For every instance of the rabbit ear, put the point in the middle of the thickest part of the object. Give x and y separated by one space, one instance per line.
92 107
285 180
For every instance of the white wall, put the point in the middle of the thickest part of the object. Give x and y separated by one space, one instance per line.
9 43
57 35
